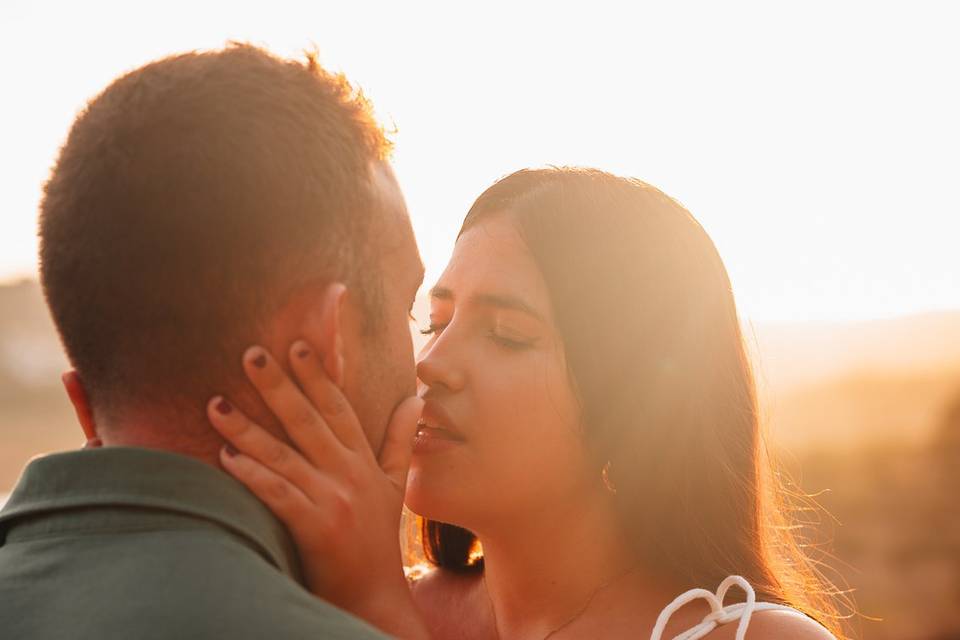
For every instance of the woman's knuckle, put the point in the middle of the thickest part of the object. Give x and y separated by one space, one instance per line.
278 489
333 405
303 416
341 507
277 455
352 477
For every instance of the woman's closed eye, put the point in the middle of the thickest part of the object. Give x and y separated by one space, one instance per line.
511 343
510 338
502 337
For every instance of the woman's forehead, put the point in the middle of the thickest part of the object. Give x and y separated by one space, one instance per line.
491 257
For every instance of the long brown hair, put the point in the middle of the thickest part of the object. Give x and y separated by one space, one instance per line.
656 355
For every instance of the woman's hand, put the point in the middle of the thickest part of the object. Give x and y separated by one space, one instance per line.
341 505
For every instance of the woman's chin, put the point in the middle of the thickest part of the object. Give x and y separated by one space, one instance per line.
429 499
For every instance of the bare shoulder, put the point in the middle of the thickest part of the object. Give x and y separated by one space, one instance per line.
452 604
776 625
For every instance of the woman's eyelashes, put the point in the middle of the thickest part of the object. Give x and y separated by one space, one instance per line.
499 337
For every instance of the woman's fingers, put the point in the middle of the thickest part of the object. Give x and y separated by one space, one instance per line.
281 496
326 397
254 441
305 426
398 441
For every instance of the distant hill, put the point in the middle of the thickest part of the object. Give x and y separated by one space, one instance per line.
35 416
845 385
29 348
868 407
835 386
791 355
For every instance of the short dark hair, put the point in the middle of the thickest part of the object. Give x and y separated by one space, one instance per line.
190 199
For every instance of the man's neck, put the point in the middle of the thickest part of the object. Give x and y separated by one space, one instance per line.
199 442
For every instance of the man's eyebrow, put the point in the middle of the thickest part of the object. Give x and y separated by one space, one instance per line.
501 301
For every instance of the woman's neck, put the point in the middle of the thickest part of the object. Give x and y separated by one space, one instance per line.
542 572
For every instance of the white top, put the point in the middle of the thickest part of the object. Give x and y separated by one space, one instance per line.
719 614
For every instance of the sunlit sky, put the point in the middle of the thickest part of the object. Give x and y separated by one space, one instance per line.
819 143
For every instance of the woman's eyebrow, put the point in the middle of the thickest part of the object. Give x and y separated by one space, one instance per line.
498 300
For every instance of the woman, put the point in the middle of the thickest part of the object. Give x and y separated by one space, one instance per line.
589 444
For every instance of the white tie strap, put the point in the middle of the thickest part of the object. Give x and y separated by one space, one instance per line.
719 614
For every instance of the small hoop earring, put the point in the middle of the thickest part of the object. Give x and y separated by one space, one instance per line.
605 476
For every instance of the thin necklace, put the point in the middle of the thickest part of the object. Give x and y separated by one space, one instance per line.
583 608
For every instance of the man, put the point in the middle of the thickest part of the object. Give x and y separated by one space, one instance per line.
201 204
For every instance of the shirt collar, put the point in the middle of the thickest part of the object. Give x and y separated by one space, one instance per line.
146 478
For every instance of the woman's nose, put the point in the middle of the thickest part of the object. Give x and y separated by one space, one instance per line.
437 368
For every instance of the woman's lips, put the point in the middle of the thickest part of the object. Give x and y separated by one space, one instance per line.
435 417
432 439
437 432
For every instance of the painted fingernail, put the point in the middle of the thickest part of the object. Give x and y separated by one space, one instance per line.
302 351
260 361
230 450
223 407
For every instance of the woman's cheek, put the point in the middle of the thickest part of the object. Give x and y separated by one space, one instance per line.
530 437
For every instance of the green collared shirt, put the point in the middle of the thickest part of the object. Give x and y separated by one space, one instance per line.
135 543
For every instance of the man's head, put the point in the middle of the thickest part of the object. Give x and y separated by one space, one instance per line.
206 202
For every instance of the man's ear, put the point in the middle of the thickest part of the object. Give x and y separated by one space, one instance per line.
324 331
81 405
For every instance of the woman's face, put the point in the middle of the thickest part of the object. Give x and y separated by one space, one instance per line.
500 433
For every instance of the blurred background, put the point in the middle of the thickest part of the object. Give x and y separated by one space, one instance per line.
817 143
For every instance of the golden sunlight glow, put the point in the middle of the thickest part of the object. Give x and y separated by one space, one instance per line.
817 144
